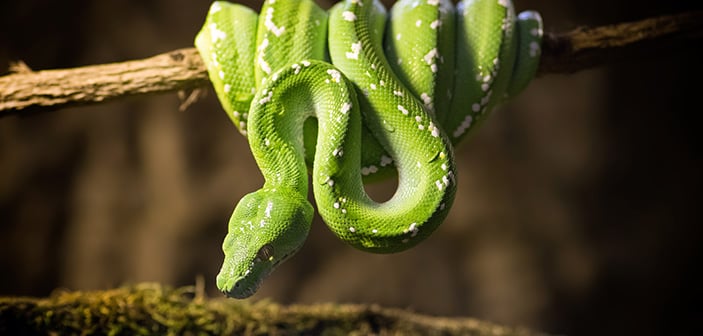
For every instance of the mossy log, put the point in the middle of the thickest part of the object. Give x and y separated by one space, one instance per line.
152 309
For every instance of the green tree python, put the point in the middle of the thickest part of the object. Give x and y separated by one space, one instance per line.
356 94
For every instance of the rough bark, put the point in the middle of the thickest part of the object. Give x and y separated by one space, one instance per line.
26 91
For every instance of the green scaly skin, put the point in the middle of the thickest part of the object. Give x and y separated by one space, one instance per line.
393 99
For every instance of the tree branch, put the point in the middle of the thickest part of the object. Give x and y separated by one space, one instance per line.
26 91
153 309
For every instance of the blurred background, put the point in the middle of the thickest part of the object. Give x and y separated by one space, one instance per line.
577 211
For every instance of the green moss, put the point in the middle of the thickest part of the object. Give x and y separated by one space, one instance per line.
148 309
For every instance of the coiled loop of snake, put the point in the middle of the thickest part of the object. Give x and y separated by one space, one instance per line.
379 106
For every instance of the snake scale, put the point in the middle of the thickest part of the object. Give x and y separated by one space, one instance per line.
356 94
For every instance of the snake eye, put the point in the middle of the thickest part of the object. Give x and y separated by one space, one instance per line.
265 253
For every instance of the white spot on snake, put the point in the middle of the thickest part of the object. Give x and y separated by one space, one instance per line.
444 166
369 170
215 62
264 44
442 206
336 205
536 32
385 160
306 63
433 2
222 74
485 87
227 88
534 49
434 24
346 107
216 34
418 118
413 229
506 24
439 185
349 16
418 23
403 110
398 93
352 229
267 98
215 8
336 75
267 142
433 129
355 49
330 182
338 152
374 231
265 67
463 127
236 114
382 82
475 107
398 36
269 207
426 99
430 58
421 127
373 86
268 23
297 67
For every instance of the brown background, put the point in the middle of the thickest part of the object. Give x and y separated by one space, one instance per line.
577 211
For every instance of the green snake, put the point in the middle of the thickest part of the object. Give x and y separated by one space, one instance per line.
356 94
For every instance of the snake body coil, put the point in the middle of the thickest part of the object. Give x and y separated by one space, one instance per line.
356 100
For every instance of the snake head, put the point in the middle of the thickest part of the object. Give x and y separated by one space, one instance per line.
267 227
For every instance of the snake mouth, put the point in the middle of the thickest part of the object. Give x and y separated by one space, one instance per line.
248 283
239 291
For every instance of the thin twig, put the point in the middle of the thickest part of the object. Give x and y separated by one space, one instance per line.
26 91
